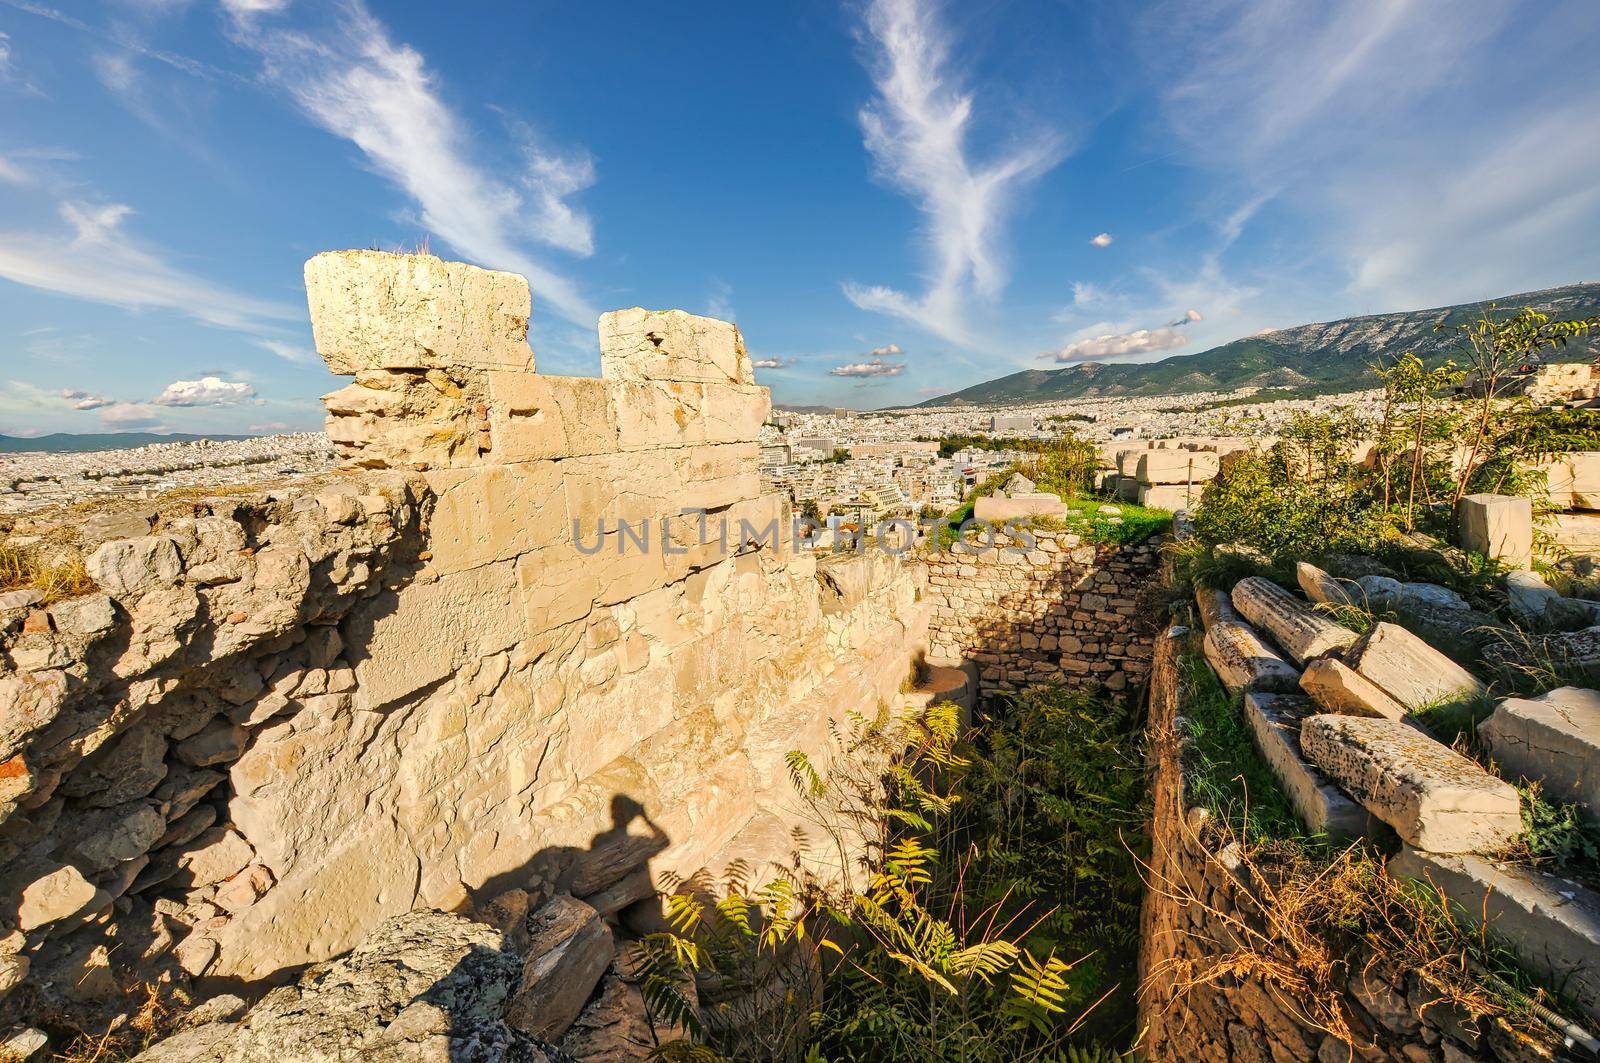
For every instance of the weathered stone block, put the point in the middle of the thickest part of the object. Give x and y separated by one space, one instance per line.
1321 587
1176 467
1500 527
1551 924
1275 721
63 892
1214 607
376 310
496 513
1554 739
1409 670
1302 632
127 568
1342 690
639 344
570 947
1169 496
533 416
1244 662
1435 798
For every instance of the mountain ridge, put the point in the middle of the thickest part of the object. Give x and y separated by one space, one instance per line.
1326 356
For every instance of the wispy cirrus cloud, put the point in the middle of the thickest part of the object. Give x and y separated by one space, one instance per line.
1398 130
917 131
353 80
97 259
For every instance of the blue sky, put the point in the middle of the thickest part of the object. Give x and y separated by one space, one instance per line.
893 198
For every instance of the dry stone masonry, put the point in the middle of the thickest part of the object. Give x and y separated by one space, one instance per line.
452 673
1056 610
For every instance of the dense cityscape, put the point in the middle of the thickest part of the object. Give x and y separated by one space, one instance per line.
867 464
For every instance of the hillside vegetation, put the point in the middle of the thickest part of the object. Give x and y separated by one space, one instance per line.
1320 358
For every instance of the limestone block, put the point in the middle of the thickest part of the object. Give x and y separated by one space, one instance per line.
997 509
324 908
1244 662
1302 632
1324 809
1214 607
218 743
496 513
639 344
1435 798
1500 527
1128 462
61 893
376 310
1176 467
1321 587
718 475
1554 739
127 568
1551 924
1169 496
220 853
1530 596
1409 670
533 416
1572 481
123 770
570 947
669 413
1342 690
424 987
434 628
1577 532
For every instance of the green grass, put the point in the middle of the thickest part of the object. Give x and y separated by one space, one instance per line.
1224 771
1134 524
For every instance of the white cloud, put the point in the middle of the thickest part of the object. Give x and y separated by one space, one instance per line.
1189 316
289 352
893 348
875 367
1392 128
131 417
83 400
356 83
916 130
98 261
207 391
1102 240
11 173
1119 345
774 363
246 8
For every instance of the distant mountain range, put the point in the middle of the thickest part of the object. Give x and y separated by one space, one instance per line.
73 442
1310 359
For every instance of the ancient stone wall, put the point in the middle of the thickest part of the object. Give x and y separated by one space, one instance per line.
529 642
1057 611
1208 946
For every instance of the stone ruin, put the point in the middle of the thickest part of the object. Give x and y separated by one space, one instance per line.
1335 716
546 637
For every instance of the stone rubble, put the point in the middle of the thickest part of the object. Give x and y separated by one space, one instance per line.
1300 631
1553 739
1436 799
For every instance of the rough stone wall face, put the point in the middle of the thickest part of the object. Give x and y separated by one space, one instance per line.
478 683
1196 1002
1063 611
